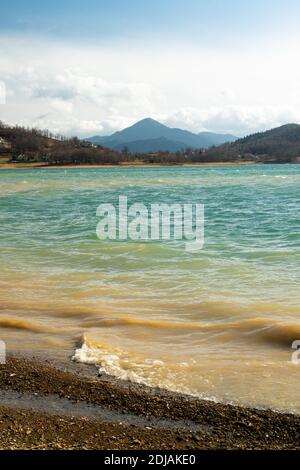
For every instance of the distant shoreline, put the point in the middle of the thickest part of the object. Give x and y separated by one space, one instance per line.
30 166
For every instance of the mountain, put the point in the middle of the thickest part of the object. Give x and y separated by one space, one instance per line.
149 135
278 145
150 145
23 145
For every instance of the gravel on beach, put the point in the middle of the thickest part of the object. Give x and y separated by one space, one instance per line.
51 405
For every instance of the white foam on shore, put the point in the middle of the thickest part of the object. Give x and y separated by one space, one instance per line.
181 377
126 365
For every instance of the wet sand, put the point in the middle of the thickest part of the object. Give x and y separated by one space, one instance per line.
47 404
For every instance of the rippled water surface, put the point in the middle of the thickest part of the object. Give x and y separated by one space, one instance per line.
217 324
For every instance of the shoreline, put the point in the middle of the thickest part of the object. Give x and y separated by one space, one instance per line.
30 166
57 404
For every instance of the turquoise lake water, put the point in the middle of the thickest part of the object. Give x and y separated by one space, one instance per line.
217 323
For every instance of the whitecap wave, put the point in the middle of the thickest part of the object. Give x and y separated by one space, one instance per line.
125 365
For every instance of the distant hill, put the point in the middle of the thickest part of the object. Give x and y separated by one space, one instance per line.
23 145
279 145
150 146
149 135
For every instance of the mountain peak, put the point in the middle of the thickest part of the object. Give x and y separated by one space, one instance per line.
147 122
158 136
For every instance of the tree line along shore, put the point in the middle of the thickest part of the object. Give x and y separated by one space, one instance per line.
20 145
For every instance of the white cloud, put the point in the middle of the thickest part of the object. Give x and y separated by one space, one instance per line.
72 125
61 105
236 120
2 93
68 86
85 90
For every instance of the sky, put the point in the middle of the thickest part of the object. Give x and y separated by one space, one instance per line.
96 66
